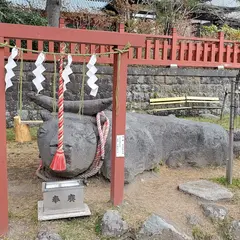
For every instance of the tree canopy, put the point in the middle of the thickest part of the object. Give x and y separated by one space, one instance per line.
20 15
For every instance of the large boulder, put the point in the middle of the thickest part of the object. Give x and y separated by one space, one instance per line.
45 235
156 228
214 211
206 190
149 141
113 225
176 142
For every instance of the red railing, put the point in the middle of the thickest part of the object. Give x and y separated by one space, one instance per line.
158 51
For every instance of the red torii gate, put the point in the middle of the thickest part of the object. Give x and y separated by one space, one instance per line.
12 31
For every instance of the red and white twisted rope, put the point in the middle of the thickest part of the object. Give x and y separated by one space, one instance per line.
60 107
100 153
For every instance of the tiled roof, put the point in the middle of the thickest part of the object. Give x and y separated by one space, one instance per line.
68 5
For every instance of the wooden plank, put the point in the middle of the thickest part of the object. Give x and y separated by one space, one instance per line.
221 47
228 52
213 52
148 49
83 48
205 52
190 53
235 52
166 99
32 122
51 46
205 107
70 35
163 103
202 98
167 109
139 53
199 101
198 52
18 43
156 49
182 50
130 53
165 50
40 45
72 48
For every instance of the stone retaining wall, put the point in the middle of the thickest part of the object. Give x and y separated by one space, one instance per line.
143 83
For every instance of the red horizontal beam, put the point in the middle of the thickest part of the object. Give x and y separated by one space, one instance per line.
70 35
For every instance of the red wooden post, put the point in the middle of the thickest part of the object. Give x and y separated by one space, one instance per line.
221 47
213 53
198 52
165 51
182 51
174 45
190 52
148 49
118 128
235 52
121 27
3 151
228 53
205 52
61 22
156 49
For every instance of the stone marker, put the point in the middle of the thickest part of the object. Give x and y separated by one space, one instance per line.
157 228
193 220
113 225
206 190
44 235
235 230
214 211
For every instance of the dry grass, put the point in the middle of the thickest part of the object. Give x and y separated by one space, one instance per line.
152 192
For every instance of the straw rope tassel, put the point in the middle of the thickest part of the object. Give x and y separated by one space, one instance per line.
59 162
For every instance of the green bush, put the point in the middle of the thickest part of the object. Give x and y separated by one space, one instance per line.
229 33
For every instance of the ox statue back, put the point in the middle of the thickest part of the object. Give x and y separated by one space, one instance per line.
150 140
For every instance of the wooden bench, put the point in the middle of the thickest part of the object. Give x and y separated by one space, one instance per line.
183 103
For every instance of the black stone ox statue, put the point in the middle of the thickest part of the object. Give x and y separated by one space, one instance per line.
150 140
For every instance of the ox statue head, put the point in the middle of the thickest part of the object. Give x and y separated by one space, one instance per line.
80 133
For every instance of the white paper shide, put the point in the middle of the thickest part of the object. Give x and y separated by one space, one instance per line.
38 72
66 72
9 68
92 77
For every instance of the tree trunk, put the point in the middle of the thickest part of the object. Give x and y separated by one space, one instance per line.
53 9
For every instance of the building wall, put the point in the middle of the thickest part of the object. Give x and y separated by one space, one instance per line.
143 83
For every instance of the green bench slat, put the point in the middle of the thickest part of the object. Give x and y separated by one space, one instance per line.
166 109
162 103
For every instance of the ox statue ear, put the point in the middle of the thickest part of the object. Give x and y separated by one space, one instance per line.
46 116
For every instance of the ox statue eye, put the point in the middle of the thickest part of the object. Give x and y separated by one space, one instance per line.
41 131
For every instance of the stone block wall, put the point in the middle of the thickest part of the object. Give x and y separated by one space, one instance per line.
143 83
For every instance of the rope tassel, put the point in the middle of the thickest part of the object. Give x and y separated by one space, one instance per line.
59 161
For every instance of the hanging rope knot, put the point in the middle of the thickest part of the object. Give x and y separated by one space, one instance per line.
124 50
2 45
